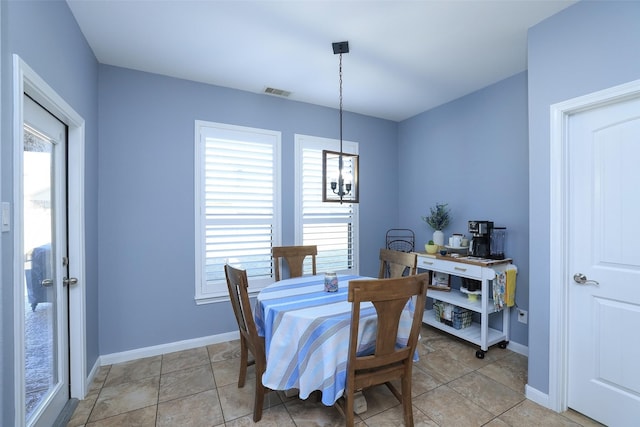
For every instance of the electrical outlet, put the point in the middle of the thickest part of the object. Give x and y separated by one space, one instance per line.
523 316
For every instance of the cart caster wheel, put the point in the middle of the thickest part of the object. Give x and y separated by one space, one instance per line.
503 344
480 354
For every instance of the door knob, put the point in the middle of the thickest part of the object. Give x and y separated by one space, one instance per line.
47 282
581 279
70 281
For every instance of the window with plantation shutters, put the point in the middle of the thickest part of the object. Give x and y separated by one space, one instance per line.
237 205
333 227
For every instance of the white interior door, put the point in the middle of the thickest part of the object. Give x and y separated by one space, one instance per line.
604 262
44 236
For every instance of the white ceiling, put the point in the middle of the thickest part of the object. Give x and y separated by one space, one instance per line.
405 56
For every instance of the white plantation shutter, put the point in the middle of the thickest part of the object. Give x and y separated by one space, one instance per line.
237 205
331 226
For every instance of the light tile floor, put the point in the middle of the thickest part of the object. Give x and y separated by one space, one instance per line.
198 387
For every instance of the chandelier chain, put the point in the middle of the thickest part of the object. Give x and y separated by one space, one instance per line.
341 103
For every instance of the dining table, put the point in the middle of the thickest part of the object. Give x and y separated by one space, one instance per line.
306 331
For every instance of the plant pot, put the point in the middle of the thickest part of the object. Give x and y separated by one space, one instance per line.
438 238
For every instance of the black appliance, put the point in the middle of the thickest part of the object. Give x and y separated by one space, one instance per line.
480 245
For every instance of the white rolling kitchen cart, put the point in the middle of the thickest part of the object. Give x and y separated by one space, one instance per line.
472 268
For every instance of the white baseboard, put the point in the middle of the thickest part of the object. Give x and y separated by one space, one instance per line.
518 348
139 353
92 375
536 396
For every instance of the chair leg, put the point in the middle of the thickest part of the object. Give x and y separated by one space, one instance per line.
244 359
348 409
258 401
406 401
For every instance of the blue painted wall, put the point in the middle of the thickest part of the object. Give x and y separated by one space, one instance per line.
588 47
472 153
47 38
140 216
146 204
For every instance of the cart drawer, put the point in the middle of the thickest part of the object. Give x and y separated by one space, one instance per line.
455 268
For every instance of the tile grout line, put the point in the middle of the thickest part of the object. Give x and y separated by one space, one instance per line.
475 370
158 396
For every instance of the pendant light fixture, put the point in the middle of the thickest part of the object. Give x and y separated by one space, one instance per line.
340 169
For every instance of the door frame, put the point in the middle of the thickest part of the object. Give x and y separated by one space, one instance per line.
26 80
559 232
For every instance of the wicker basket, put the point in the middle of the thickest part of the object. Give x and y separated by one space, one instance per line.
460 317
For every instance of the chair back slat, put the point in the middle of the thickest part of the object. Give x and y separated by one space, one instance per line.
294 257
238 285
397 264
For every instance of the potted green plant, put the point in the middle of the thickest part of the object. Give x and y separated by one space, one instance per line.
438 219
431 247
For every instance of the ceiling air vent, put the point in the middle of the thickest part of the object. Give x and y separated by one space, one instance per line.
277 92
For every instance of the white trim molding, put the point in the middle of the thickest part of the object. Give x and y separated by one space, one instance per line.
557 399
26 80
156 350
536 396
518 348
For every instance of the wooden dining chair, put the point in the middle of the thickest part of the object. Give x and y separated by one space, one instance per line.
249 340
294 256
387 363
396 263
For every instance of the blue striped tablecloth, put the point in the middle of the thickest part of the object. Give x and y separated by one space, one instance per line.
306 334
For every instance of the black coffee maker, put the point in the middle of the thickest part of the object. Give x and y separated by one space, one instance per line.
480 245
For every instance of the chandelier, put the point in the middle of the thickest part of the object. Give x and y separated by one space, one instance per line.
340 169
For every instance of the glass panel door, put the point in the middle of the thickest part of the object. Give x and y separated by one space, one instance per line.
46 381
